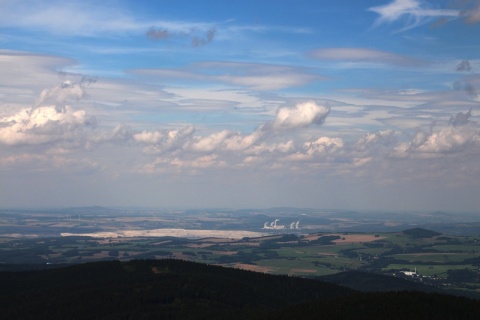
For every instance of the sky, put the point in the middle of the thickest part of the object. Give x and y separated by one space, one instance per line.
358 105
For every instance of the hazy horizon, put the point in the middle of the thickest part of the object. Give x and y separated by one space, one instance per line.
365 106
249 210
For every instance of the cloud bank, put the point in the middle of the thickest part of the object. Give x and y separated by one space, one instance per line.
144 104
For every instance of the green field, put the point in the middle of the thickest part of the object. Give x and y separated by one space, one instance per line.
433 255
430 270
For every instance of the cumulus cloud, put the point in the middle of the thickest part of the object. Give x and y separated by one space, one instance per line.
228 145
321 149
118 134
210 142
448 139
42 125
185 140
60 125
171 140
459 136
364 55
413 11
375 144
323 145
271 148
148 137
28 74
67 90
302 115
274 147
241 142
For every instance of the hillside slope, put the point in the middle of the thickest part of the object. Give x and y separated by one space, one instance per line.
175 289
141 289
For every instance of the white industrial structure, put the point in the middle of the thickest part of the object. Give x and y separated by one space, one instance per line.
410 273
274 226
294 225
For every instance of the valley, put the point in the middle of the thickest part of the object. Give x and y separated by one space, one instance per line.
237 240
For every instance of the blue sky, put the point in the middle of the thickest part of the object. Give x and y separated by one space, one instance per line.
364 105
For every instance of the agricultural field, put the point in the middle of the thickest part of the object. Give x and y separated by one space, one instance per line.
416 254
254 240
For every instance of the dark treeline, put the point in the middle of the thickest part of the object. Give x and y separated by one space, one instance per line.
175 289
384 305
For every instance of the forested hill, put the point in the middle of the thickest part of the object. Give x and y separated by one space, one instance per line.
419 233
175 289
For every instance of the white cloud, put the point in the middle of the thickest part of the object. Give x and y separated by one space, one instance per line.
322 145
375 138
85 18
412 10
42 125
442 140
170 141
242 142
372 154
447 139
323 149
235 148
302 115
118 134
53 119
271 148
210 142
97 19
276 144
67 90
148 137
185 141
25 74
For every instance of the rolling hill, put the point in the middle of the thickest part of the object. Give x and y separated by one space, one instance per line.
176 289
